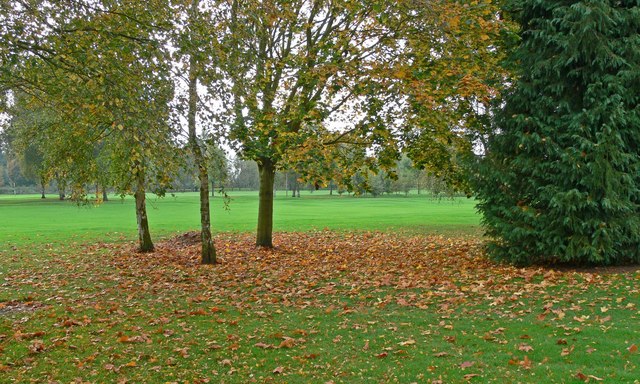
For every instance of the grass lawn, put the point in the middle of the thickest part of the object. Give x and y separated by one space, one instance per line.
413 303
31 219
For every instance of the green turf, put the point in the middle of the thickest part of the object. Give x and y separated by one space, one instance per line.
323 307
100 317
31 219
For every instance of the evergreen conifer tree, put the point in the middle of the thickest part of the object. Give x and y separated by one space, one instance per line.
561 179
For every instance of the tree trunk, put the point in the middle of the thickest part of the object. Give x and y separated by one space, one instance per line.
144 235
105 196
266 168
42 185
61 188
213 188
208 251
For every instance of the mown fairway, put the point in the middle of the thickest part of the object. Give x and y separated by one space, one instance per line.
32 219
324 306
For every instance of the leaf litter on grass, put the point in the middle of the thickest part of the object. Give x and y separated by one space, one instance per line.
135 315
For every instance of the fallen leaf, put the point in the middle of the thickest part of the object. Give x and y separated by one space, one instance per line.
467 364
582 376
525 363
407 342
567 351
36 346
525 347
278 370
288 342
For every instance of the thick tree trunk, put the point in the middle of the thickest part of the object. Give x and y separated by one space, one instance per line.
144 235
266 168
105 196
208 251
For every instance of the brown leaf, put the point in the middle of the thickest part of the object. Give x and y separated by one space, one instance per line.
633 348
525 347
467 364
407 342
567 351
382 355
525 363
27 336
604 319
470 376
288 342
278 370
582 376
36 346
263 345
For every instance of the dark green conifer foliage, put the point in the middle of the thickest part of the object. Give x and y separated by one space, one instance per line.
561 179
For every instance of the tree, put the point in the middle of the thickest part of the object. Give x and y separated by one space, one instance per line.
190 43
103 68
453 51
561 180
293 66
19 135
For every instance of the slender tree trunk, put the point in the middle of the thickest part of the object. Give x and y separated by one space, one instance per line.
208 251
144 235
42 183
105 196
213 188
266 168
61 189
